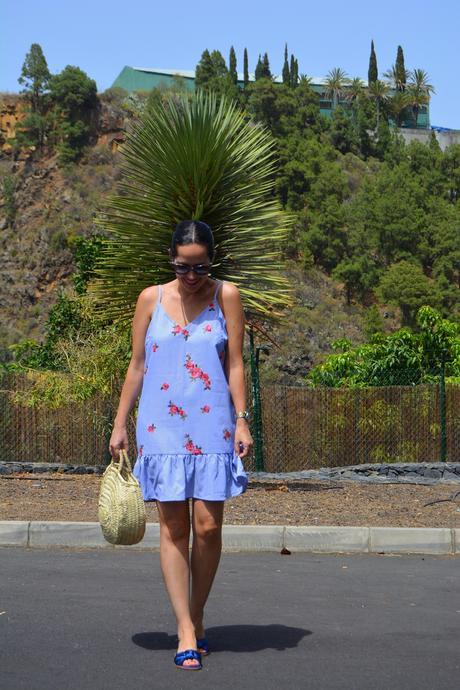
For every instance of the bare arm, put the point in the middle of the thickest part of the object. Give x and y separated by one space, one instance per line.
234 366
132 385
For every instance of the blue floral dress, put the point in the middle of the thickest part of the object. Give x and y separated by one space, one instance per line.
186 419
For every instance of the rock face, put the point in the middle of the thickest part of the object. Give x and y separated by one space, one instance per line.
108 122
11 114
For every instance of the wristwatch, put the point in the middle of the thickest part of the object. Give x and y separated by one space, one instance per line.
244 414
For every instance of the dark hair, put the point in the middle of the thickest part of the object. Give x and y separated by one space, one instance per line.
191 232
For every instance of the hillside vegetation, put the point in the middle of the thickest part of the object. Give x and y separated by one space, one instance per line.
377 231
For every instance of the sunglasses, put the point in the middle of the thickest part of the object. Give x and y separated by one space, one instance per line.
183 269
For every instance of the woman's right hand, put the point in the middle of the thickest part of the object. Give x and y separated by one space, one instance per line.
118 440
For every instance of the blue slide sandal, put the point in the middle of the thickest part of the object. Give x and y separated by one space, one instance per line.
180 657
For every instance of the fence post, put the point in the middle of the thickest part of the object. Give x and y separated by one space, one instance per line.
442 412
257 408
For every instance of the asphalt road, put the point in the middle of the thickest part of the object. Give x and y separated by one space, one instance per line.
81 619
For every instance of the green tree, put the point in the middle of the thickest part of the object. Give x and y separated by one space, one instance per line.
372 74
286 72
210 71
398 104
75 97
259 71
35 76
204 71
450 167
405 285
356 276
379 92
418 92
400 71
335 83
266 73
353 93
232 66
405 357
294 72
246 68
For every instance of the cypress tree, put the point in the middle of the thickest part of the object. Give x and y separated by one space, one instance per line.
259 73
292 71
266 67
286 73
295 78
372 74
232 66
246 67
400 70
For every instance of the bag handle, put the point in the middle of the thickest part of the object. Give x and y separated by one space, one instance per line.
123 459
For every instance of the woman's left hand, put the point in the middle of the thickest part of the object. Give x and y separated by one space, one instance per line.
243 437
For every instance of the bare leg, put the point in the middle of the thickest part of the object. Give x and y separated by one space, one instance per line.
174 561
207 519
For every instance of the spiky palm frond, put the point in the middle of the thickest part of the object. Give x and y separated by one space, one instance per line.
195 158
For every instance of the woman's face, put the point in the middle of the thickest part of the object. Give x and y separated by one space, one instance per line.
192 254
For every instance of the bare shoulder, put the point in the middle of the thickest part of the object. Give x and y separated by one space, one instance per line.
230 292
146 300
230 299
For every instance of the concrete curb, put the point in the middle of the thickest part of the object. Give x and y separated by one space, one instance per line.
315 538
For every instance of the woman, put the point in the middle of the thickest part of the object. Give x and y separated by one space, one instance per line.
187 342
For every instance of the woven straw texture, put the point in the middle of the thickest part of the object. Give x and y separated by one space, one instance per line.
121 508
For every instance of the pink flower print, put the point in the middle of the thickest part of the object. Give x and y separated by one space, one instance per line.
155 347
151 427
178 329
140 450
176 409
164 386
207 382
190 446
207 327
205 408
227 434
211 306
197 373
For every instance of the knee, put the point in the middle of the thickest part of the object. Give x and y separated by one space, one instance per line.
208 530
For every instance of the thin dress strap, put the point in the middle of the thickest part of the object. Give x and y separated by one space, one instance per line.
159 293
219 283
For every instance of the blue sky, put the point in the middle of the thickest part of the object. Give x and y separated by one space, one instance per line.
101 37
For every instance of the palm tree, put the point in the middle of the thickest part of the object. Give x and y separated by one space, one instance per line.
418 91
394 78
304 79
335 82
379 92
201 159
398 103
353 92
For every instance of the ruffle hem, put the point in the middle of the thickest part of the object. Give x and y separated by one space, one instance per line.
176 477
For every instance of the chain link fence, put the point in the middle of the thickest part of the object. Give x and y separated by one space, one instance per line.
298 427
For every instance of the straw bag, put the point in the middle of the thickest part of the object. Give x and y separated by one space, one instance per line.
121 508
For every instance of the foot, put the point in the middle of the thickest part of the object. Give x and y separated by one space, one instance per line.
199 632
187 640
